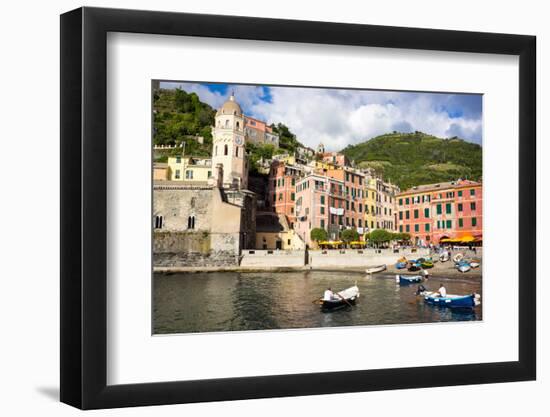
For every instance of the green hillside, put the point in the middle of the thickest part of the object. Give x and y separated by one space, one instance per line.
409 159
181 117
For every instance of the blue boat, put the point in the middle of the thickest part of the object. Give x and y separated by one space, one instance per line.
452 301
405 280
401 265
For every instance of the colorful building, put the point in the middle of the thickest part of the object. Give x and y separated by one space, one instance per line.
259 133
274 233
320 203
385 205
448 210
188 169
369 204
353 193
281 189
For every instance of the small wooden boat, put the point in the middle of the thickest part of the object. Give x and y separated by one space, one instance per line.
427 264
463 267
408 280
401 265
343 299
444 257
452 301
458 257
375 269
413 267
474 264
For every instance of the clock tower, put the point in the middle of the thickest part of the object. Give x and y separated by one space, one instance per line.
228 145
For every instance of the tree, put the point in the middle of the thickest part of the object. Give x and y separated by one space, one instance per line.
317 234
405 236
349 235
380 236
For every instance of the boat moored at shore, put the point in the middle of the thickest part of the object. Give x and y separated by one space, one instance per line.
408 280
375 269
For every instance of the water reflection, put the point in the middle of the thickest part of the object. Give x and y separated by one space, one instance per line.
259 301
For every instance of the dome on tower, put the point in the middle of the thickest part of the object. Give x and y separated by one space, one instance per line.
230 107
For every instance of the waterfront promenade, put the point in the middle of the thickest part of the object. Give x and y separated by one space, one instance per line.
327 260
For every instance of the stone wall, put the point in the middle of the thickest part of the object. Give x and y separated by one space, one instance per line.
223 224
358 258
273 258
190 248
175 204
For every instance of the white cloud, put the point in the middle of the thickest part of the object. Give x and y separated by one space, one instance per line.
342 117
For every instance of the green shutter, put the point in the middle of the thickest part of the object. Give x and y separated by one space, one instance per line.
474 221
439 209
427 227
427 213
448 208
449 224
460 222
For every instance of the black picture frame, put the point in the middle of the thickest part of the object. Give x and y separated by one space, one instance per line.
84 207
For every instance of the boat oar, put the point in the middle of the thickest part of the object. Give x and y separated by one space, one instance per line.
346 301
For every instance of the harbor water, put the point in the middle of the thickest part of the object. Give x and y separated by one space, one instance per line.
236 301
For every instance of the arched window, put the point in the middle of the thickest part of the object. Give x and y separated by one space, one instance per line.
191 222
158 222
216 150
237 151
227 123
238 125
225 150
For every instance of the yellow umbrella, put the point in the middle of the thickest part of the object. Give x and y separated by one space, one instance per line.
467 239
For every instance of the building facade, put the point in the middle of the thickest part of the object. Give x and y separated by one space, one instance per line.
189 169
447 210
281 189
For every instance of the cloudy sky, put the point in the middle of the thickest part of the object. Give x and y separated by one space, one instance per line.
339 117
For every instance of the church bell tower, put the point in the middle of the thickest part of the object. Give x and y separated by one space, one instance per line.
228 145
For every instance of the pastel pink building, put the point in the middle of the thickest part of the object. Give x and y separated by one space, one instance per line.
320 203
281 190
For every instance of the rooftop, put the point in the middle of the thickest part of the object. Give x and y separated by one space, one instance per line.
441 186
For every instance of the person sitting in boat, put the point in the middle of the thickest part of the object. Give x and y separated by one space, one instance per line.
442 291
329 295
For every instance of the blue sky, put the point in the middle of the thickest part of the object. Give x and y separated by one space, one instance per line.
339 117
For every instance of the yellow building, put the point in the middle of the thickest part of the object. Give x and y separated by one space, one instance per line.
274 232
189 169
369 201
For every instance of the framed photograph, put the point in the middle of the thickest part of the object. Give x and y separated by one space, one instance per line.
257 208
